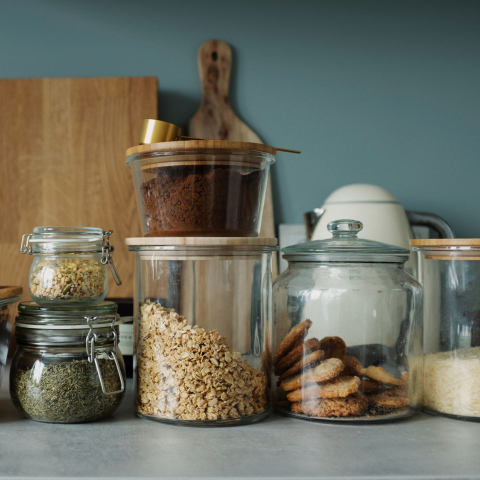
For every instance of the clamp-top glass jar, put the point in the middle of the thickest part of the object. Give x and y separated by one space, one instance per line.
348 330
69 265
67 367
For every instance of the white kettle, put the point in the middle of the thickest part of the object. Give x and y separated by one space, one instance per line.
382 215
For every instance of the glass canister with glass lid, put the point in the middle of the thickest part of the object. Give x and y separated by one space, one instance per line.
69 265
202 310
347 330
450 276
67 367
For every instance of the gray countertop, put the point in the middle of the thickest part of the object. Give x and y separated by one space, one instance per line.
126 446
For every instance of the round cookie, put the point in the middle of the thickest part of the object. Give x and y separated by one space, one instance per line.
297 352
296 335
305 362
379 374
370 386
334 347
352 405
326 370
337 388
393 398
352 366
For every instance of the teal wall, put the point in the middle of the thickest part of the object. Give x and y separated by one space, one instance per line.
381 92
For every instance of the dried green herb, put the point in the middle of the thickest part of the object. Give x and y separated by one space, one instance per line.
67 392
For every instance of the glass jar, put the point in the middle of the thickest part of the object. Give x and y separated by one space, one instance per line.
69 265
202 309
202 188
347 330
9 296
67 367
450 275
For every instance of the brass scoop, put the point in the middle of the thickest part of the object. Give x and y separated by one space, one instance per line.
156 131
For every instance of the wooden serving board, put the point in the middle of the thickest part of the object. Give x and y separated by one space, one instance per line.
216 120
62 143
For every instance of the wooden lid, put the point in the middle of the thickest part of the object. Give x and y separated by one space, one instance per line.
186 145
202 241
7 292
446 242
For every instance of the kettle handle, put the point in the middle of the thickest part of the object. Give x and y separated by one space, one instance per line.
311 219
432 221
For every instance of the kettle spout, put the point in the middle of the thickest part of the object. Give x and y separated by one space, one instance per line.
311 219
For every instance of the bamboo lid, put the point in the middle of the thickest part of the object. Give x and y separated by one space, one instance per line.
202 241
7 292
187 145
446 242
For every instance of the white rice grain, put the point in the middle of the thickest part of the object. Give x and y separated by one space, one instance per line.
452 382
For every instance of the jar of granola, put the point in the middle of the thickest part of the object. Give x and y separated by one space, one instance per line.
69 265
202 312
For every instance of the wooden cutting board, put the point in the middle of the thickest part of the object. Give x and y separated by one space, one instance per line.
62 143
215 118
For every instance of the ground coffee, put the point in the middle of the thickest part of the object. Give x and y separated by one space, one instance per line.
203 201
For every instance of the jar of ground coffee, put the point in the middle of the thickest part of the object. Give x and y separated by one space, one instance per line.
209 188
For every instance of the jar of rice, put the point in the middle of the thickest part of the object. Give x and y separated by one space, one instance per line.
450 275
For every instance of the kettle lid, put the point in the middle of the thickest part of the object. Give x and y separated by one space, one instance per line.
346 246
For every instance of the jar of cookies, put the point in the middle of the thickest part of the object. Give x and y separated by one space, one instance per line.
202 329
450 275
347 331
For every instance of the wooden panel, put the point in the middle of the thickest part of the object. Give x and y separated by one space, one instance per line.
215 118
62 144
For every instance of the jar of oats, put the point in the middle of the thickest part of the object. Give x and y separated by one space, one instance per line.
69 265
202 310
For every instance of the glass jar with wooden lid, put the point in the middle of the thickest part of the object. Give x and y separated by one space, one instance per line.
202 310
450 275
211 188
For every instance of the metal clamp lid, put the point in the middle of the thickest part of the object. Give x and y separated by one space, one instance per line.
90 237
93 354
107 251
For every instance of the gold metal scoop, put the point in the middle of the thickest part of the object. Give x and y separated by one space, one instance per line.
156 131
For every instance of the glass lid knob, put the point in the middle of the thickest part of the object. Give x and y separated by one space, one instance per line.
345 228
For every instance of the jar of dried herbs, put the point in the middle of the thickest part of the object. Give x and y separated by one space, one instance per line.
67 367
69 265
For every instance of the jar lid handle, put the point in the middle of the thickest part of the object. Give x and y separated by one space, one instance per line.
345 228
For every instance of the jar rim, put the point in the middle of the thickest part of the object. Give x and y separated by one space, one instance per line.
201 146
34 310
63 240
204 244
9 300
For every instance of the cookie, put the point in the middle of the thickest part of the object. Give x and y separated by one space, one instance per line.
296 335
309 360
297 407
370 386
326 370
337 388
393 398
379 374
352 366
334 347
352 405
292 357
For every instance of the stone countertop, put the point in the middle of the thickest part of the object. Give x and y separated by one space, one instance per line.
125 446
